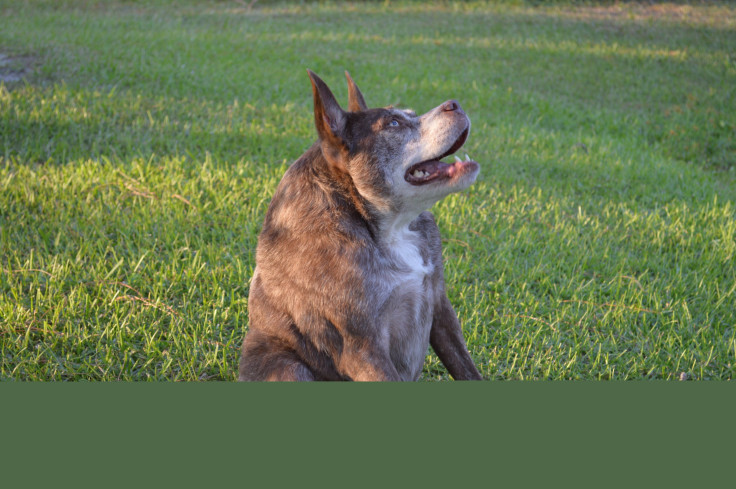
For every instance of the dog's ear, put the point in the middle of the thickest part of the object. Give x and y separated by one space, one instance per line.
328 115
356 102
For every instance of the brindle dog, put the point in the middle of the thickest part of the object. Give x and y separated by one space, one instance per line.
349 282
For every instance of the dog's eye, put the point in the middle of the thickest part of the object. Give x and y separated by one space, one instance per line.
393 123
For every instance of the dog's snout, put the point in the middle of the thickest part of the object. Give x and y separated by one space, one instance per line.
450 106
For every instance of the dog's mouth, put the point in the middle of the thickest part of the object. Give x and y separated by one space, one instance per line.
435 170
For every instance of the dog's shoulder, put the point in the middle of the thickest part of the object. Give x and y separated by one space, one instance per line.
426 226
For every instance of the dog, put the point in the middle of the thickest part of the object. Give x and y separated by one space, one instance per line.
349 281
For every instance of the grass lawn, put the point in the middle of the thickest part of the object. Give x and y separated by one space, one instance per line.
140 143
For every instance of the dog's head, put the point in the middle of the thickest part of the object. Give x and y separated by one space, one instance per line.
393 156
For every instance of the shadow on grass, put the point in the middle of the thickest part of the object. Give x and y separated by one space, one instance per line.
674 81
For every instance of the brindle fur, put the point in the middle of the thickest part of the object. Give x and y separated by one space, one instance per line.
349 282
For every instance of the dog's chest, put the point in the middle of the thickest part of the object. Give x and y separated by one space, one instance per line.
408 309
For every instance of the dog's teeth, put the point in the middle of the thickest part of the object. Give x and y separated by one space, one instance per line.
467 158
457 158
420 174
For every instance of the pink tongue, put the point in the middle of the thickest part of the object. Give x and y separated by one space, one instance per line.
455 167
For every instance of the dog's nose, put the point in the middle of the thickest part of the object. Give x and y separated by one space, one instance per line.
450 106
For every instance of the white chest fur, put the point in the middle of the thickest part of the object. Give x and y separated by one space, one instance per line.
407 315
403 246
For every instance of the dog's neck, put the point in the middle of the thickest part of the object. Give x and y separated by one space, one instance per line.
396 224
340 189
383 225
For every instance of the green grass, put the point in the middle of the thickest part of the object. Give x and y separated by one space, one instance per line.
139 154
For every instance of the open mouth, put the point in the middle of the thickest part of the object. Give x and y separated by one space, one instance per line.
433 169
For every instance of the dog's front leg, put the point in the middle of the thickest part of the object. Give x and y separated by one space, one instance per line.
448 342
364 361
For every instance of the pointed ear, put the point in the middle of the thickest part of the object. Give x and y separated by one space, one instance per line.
328 115
356 102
